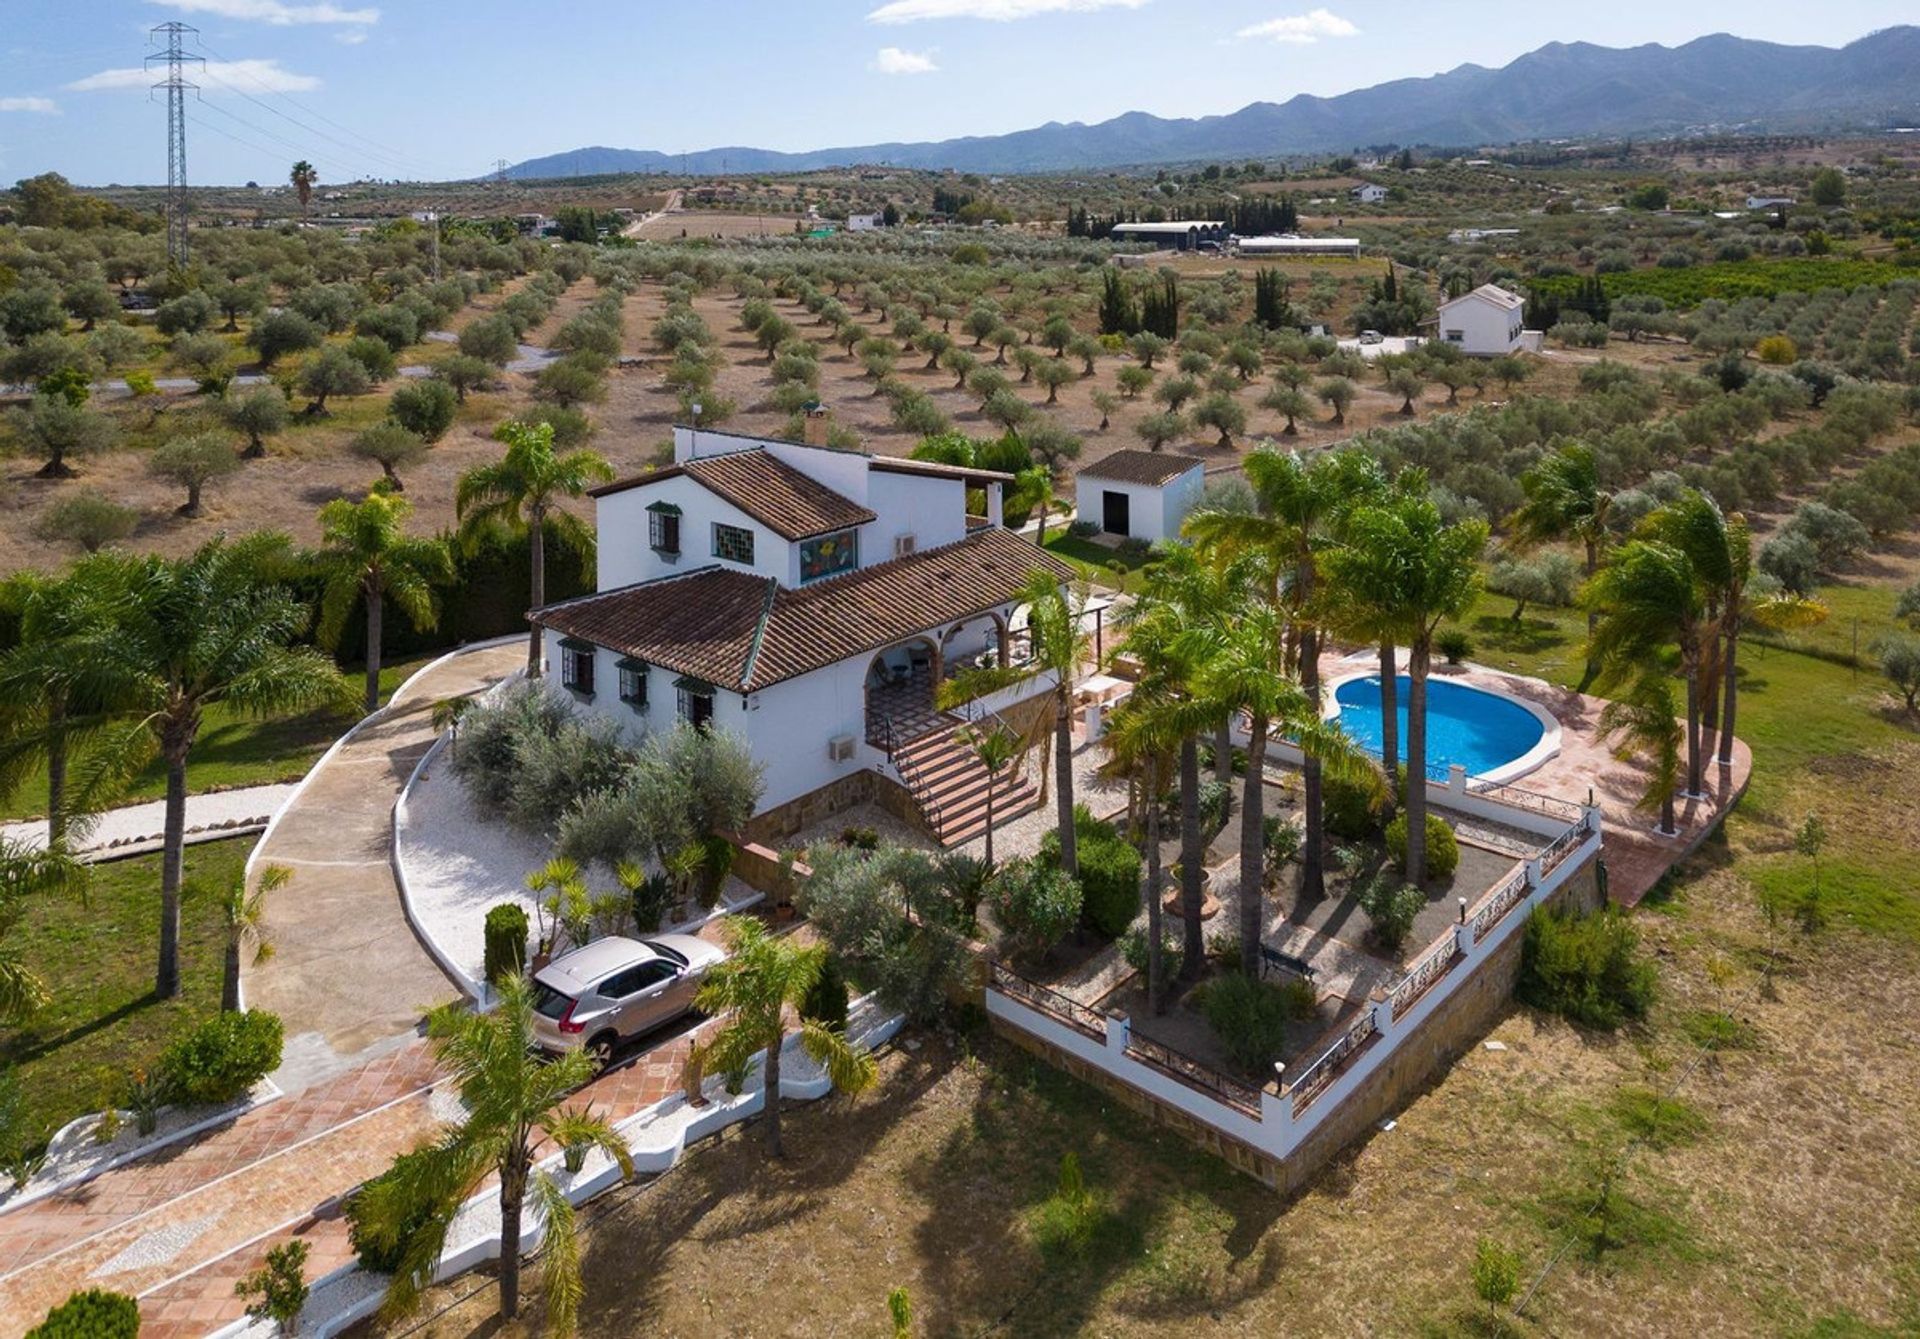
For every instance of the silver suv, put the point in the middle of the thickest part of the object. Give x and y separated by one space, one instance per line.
613 989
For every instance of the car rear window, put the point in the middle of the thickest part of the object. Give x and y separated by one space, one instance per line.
550 1003
671 955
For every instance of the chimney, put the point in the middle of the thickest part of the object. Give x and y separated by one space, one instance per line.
816 432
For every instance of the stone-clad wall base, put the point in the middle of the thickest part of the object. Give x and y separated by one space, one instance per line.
779 824
1460 1021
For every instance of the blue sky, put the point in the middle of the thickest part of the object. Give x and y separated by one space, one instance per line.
432 89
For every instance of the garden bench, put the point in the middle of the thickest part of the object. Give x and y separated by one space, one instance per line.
1285 962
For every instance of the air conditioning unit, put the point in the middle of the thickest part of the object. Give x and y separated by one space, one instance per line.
903 545
840 748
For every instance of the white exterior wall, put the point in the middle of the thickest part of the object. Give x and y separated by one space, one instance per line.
1484 330
1155 511
787 726
932 510
623 556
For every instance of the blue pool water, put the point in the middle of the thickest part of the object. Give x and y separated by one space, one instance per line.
1477 730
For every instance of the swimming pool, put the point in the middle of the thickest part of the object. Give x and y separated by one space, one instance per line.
1489 734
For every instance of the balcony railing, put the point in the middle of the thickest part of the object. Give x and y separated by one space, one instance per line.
1429 968
1194 1073
1308 1083
1046 1000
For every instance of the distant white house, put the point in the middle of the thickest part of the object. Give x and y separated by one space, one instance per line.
1486 323
1140 494
866 222
1367 193
1771 202
1294 245
1460 235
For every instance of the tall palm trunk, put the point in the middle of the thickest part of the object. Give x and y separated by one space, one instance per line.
1417 662
1156 968
1313 863
1253 849
374 611
1390 721
771 1090
537 561
1193 947
1223 753
993 779
1691 669
1731 689
1063 792
513 1193
167 979
57 773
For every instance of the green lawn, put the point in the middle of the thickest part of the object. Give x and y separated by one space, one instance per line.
232 751
96 953
1096 562
1823 742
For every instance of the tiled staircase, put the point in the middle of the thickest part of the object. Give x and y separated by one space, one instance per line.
950 785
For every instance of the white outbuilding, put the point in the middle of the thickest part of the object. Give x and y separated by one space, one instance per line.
1140 494
1487 323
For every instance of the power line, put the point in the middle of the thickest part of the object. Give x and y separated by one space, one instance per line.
284 143
237 139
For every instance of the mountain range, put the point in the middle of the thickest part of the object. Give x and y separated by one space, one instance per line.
1560 91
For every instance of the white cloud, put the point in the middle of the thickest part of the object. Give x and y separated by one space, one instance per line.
275 12
253 76
42 105
892 60
999 11
350 37
1302 28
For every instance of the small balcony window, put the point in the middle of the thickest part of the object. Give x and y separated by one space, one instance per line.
633 683
663 529
576 667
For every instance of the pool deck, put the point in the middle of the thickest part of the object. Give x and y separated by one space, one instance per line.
1585 771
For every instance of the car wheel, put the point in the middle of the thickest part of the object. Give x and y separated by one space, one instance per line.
600 1051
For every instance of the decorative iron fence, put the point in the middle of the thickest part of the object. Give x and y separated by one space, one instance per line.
1533 801
1428 968
1563 846
1498 903
1190 1071
1310 1082
1046 1000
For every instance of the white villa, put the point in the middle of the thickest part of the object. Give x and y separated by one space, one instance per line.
1487 323
1140 494
1369 193
811 600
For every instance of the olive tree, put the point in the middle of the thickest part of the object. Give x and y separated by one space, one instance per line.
260 413
193 462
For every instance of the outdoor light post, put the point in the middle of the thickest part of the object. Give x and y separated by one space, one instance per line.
693 431
1463 910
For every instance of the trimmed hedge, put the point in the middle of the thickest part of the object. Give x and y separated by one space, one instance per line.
1585 968
1109 873
1443 851
222 1058
93 1314
506 942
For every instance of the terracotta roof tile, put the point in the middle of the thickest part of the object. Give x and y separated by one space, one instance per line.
1141 467
742 632
791 504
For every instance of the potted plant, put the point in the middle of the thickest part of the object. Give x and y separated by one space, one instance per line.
574 1128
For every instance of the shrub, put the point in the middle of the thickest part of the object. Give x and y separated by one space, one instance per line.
87 519
1443 852
1109 873
1172 951
93 1314
1351 810
1391 907
1455 645
1250 1016
222 1058
1035 903
1777 350
425 408
1216 803
379 1252
826 1001
506 941
1900 662
1083 529
277 1291
1585 968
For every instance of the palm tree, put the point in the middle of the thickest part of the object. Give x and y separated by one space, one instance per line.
184 636
245 915
521 493
1647 600
1146 730
996 747
763 977
447 713
1403 559
1565 501
1641 724
303 177
1299 500
512 1097
1033 486
1244 674
367 555
41 722
25 874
